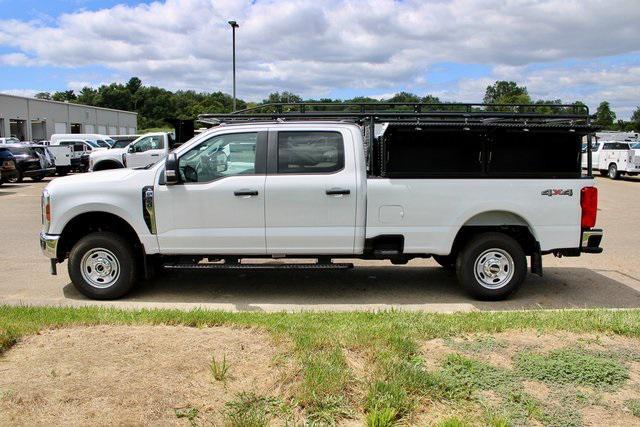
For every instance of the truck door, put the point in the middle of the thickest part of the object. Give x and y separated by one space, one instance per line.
146 151
218 207
310 202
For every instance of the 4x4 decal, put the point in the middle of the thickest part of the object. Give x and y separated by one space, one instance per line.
557 192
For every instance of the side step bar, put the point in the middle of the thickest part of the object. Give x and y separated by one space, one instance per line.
239 266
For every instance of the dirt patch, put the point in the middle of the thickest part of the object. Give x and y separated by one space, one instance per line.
130 375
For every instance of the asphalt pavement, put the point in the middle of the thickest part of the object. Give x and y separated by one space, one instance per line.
607 280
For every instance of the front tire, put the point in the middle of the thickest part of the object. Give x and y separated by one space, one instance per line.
491 266
102 266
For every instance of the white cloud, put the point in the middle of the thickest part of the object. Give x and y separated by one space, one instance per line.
21 92
311 47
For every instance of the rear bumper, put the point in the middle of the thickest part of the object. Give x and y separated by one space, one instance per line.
590 241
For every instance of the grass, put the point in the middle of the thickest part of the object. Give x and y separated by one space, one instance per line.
251 410
395 382
570 366
190 414
634 406
219 370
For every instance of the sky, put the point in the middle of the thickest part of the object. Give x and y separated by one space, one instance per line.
586 50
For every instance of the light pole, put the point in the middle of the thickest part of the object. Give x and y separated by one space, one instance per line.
234 25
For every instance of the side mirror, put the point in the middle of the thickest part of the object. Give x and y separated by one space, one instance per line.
171 170
131 149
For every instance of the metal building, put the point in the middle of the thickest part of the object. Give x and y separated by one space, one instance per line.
30 119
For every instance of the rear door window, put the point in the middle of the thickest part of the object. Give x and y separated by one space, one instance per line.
310 152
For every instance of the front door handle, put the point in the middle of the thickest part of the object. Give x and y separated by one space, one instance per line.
338 191
155 155
245 193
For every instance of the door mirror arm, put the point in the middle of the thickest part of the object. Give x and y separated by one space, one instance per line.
171 170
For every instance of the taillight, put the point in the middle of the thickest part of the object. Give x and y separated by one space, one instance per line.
589 205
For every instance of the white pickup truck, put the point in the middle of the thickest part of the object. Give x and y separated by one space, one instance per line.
148 148
303 188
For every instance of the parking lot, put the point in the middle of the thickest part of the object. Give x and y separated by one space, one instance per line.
610 280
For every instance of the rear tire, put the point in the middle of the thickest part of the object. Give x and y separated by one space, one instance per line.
491 266
613 171
447 262
102 266
37 178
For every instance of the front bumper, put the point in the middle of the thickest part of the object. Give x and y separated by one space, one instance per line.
49 247
590 241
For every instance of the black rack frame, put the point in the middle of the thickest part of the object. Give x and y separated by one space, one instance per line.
464 115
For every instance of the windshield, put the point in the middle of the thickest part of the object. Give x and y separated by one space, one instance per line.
18 151
92 143
102 143
636 146
120 144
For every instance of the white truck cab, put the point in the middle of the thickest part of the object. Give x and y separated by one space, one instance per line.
329 189
147 149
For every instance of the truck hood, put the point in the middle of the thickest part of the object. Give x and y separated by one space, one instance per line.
96 181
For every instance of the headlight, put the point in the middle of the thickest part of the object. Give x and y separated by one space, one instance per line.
46 211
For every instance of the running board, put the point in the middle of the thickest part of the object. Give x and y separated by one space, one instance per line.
238 266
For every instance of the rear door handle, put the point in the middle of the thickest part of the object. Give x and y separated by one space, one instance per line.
338 191
245 193
155 155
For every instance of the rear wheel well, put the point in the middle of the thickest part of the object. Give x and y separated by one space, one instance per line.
91 222
520 233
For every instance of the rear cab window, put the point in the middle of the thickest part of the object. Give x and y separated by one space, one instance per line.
310 152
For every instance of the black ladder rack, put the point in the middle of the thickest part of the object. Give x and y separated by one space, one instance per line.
403 111
571 117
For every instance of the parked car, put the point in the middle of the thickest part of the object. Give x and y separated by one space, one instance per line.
9 140
8 169
95 139
147 149
618 158
32 162
450 188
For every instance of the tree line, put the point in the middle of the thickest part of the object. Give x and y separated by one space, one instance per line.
155 105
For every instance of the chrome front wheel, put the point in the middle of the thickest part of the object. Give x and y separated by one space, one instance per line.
100 268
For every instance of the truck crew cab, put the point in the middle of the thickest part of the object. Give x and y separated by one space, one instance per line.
314 181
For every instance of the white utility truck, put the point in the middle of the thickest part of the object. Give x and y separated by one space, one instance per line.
148 148
616 158
313 181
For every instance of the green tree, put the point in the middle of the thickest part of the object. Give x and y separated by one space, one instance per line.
635 120
506 92
404 97
87 96
67 95
605 116
43 95
286 96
